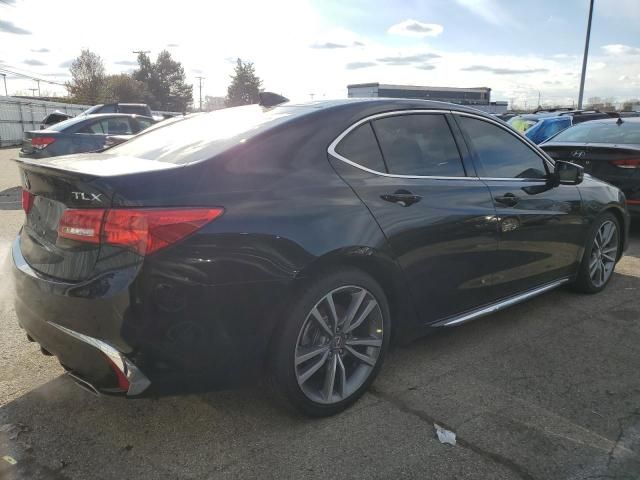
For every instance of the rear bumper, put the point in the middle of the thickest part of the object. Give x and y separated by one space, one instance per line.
164 326
41 303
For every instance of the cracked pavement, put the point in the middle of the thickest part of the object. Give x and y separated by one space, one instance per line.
548 389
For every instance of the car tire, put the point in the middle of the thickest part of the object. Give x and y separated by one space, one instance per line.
302 334
599 261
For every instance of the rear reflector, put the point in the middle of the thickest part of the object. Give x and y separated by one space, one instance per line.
27 200
144 231
627 163
40 143
633 202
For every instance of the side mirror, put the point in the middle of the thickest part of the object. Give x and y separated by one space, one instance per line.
567 173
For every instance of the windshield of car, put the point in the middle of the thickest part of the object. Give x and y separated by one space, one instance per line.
203 136
522 124
626 133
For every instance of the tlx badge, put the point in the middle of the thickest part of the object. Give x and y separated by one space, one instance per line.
87 196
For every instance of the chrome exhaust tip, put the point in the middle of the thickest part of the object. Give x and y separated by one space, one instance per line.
83 384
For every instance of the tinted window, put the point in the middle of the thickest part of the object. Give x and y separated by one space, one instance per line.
144 123
360 146
107 109
135 109
419 145
108 126
92 128
199 137
501 154
595 132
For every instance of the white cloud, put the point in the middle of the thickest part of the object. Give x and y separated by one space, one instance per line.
414 28
619 49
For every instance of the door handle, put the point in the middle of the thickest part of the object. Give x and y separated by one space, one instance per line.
507 200
402 197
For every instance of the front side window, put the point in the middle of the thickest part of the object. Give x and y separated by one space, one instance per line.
360 146
419 144
501 154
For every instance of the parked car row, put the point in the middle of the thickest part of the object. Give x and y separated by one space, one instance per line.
84 133
608 149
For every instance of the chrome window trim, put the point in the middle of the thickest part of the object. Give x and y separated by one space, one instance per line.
532 146
332 147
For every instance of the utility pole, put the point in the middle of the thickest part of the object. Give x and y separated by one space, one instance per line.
38 82
4 77
539 98
200 85
33 91
586 54
141 51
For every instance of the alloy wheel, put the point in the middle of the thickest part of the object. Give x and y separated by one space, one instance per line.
339 344
603 253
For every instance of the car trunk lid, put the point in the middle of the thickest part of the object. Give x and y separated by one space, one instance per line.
85 214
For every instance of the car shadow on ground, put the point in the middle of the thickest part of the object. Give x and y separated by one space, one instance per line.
562 359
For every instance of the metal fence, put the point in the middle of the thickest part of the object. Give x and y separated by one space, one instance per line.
19 115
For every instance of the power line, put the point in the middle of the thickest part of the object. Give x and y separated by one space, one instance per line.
30 77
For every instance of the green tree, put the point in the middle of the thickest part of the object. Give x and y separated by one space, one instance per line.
164 82
245 85
124 88
87 83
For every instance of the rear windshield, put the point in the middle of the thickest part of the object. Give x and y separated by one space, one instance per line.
596 132
59 127
202 136
521 124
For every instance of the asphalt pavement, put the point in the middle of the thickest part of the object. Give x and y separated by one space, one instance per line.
548 389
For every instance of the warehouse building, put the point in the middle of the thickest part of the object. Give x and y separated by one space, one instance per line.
479 98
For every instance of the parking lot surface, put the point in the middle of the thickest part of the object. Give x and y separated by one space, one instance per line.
548 389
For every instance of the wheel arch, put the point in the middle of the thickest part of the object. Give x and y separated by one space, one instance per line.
617 212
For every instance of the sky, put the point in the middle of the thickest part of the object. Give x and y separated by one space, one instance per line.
315 48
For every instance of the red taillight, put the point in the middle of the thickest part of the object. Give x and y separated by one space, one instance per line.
27 200
633 202
627 163
41 142
81 225
123 381
143 230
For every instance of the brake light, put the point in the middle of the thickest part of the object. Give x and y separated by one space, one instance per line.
627 163
40 143
144 231
27 200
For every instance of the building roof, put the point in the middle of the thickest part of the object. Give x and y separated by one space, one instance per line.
419 87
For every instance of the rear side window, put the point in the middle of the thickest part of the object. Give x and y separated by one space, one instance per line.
110 108
419 145
94 128
117 126
360 146
500 153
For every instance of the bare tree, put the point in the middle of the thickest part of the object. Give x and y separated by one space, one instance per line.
87 83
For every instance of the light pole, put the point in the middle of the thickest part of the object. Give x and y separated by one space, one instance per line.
586 54
4 77
200 85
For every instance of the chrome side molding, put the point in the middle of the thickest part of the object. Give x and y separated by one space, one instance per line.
138 381
495 307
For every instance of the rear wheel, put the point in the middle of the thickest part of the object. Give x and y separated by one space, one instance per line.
333 342
600 256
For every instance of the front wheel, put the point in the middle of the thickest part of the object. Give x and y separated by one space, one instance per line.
332 343
600 255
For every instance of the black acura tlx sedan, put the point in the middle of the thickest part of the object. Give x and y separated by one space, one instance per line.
295 242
